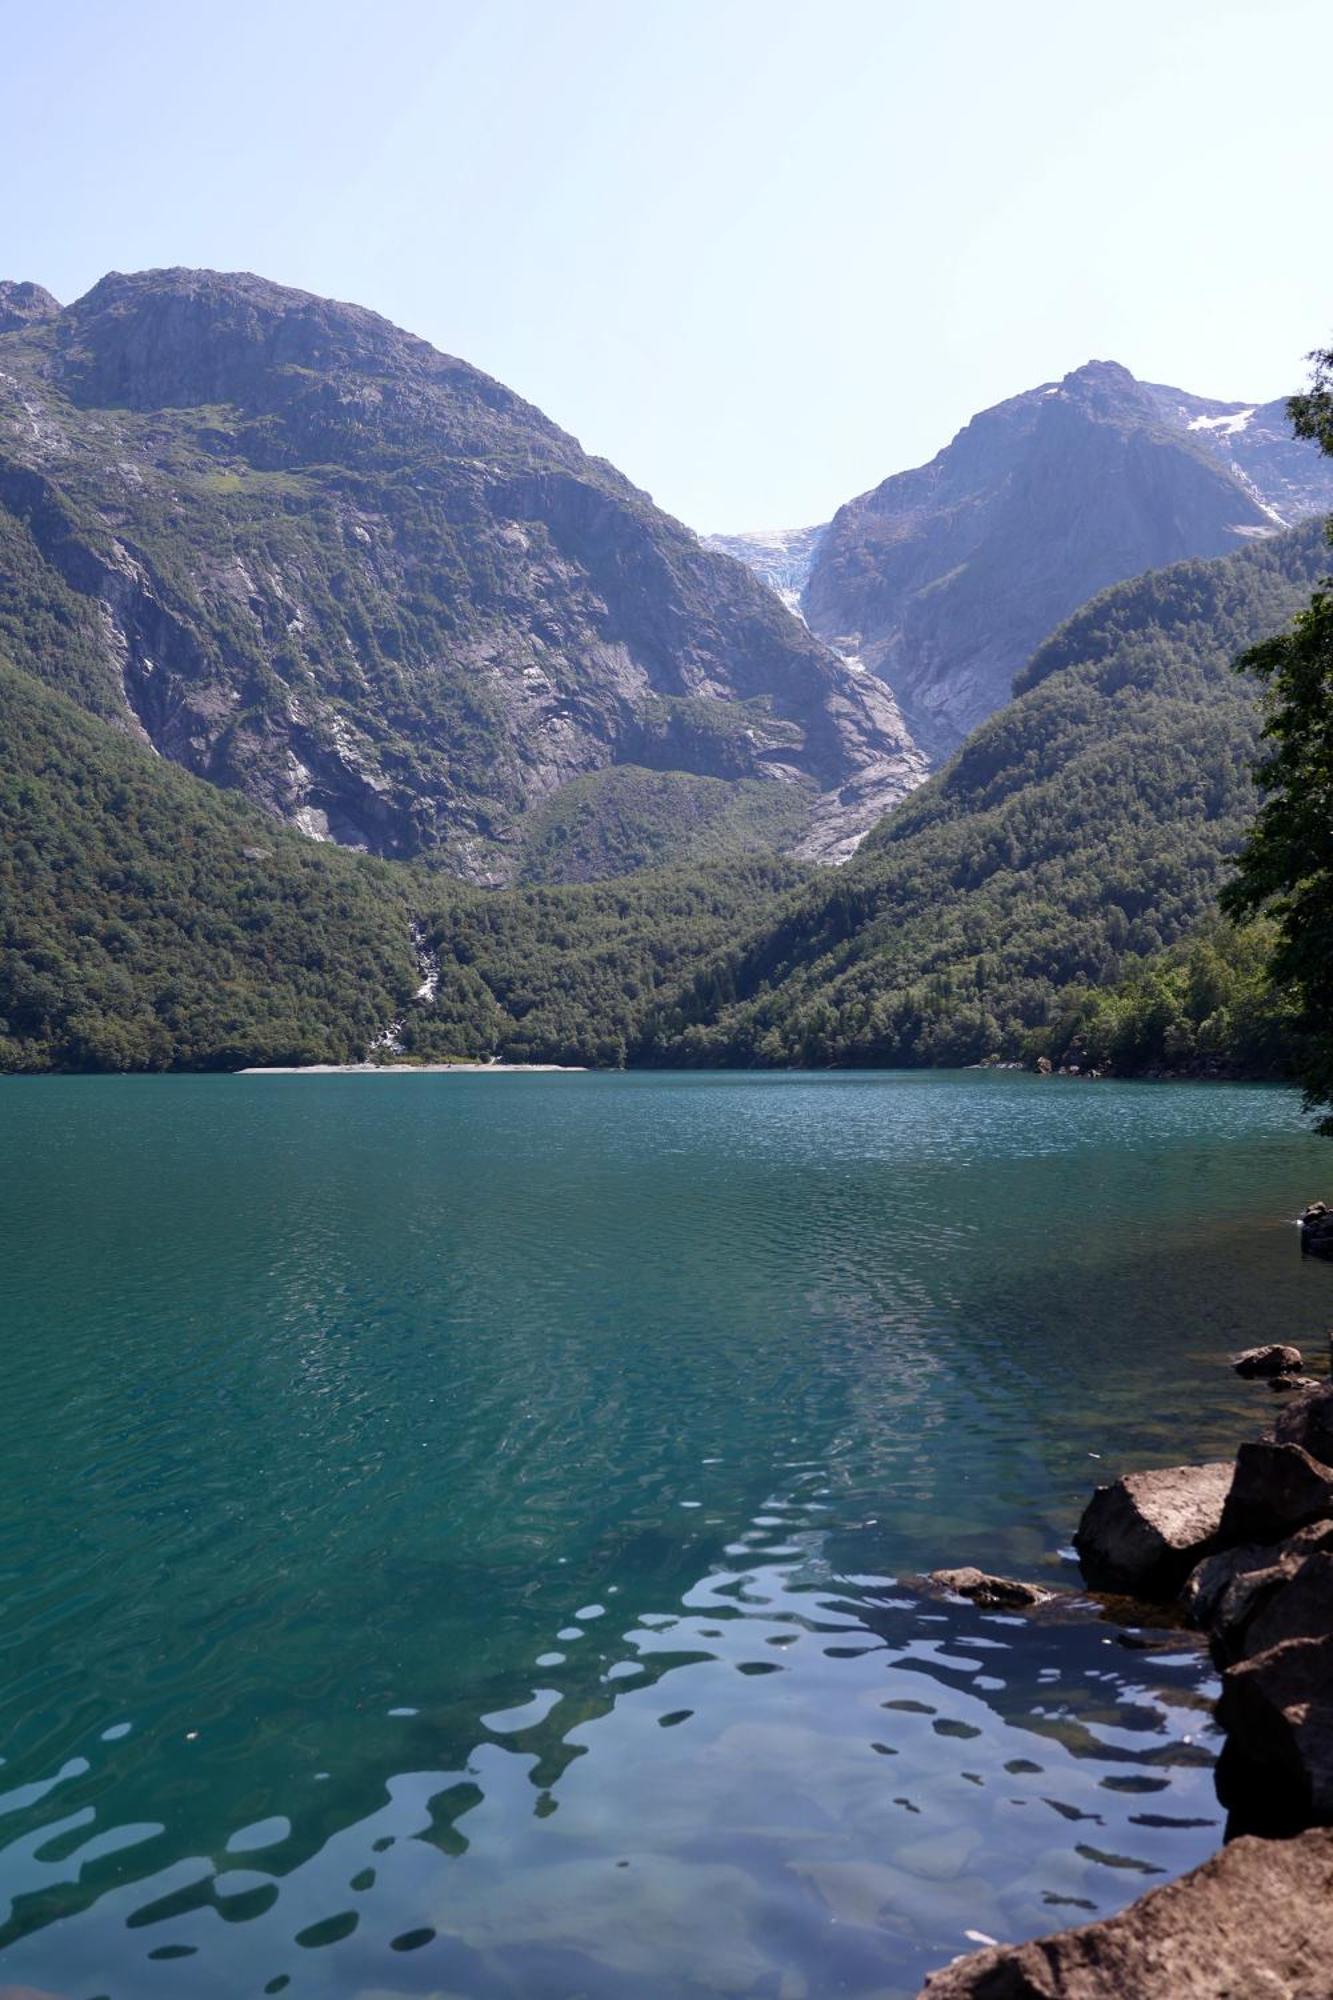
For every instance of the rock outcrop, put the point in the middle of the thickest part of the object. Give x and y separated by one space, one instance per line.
1254 1923
312 559
1275 1489
1307 1421
1144 1533
1258 1918
1273 1360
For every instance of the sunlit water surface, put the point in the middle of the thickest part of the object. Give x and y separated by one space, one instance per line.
458 1533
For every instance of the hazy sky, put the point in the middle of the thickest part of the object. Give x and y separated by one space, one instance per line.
759 253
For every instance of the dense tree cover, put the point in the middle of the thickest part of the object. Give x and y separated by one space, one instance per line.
574 974
623 819
1086 826
1043 895
149 921
1286 866
1203 1007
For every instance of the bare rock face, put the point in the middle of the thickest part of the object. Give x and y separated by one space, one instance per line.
1277 1488
1254 1923
1143 1534
22 303
1266 1361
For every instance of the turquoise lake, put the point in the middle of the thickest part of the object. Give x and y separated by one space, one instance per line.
459 1533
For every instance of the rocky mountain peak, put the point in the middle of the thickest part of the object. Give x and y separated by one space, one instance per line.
179 338
21 302
312 558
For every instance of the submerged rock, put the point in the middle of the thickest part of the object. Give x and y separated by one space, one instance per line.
1317 1230
1144 1533
1272 1360
1254 1923
1277 1488
999 1593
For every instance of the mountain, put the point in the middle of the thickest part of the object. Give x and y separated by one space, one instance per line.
1036 889
1083 829
1289 478
309 558
944 580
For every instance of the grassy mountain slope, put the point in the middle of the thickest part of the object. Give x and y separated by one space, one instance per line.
1083 827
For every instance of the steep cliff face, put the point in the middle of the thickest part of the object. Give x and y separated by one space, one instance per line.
944 580
308 557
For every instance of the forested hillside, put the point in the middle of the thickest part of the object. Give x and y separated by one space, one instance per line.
150 921
1086 826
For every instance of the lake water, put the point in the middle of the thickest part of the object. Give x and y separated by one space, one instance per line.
458 1532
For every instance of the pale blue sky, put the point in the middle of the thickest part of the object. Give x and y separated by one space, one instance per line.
759 253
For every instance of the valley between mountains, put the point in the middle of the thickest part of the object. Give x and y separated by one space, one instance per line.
324 657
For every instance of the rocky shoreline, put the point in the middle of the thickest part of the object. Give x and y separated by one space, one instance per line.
1242 1551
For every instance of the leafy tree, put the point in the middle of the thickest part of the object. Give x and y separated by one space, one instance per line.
1286 865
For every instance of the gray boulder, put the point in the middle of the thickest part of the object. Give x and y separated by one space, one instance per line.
1273 1360
1308 1421
1276 1489
1254 1923
1143 1534
1209 1581
1259 1576
1276 1770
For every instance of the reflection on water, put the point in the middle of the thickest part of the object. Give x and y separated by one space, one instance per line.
451 1529
913 1772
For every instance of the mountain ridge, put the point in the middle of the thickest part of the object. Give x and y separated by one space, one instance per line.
943 579
314 560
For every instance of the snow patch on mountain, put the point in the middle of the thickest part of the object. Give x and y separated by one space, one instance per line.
1223 426
779 557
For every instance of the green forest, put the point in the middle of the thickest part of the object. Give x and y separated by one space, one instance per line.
1052 892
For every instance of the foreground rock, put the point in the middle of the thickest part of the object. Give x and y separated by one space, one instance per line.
1254 1923
992 1593
1143 1534
1308 1422
1275 1773
1271 1360
1228 1589
1277 1488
